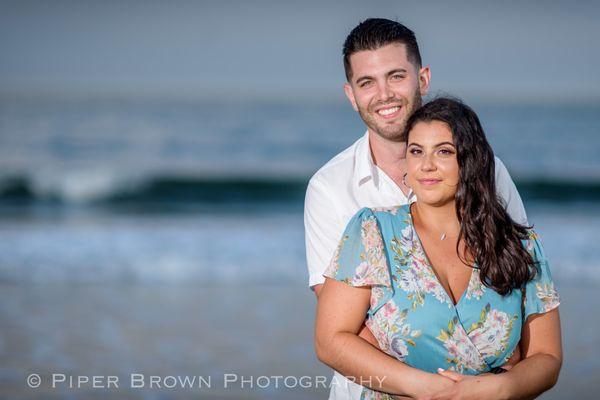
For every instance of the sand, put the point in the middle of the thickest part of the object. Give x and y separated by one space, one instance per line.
214 333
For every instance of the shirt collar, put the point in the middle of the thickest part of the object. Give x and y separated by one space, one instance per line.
365 167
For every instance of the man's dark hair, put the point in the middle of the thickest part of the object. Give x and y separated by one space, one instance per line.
374 33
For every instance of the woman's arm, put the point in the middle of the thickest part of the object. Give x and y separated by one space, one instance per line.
537 372
364 332
542 352
340 315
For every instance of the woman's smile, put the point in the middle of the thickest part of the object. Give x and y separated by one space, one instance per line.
429 181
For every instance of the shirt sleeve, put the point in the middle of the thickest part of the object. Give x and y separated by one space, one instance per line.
360 258
540 293
322 229
507 191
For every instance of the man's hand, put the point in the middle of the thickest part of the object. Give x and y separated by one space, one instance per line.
514 359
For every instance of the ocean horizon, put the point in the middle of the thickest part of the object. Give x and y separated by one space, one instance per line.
166 238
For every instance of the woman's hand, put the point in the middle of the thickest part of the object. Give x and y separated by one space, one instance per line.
467 387
431 384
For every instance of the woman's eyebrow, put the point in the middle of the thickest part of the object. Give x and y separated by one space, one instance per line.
436 145
444 143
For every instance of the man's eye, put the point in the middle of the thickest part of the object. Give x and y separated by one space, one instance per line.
397 77
365 84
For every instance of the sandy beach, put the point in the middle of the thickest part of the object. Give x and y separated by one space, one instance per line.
235 339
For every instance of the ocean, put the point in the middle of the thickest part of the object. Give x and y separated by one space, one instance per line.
167 235
122 190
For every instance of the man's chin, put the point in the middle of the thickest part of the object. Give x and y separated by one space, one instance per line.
396 134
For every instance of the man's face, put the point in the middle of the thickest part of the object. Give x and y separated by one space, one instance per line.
385 88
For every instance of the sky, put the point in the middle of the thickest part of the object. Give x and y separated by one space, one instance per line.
547 50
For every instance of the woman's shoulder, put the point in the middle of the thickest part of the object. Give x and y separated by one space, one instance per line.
387 219
384 218
394 216
533 244
395 211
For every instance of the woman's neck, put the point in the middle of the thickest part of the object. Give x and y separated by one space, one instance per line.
437 219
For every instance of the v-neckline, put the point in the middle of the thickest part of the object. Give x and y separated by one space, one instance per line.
430 266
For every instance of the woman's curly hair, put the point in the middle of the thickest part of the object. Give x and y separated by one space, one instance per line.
489 234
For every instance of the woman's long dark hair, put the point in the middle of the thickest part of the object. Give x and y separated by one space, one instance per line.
490 235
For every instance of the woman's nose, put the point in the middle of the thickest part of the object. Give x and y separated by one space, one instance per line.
428 163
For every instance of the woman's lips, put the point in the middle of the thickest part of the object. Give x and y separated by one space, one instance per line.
429 182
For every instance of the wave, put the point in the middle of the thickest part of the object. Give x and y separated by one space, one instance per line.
107 189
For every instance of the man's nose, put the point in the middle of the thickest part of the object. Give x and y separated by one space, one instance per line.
384 91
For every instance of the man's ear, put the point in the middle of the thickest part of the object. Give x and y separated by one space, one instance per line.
350 95
424 76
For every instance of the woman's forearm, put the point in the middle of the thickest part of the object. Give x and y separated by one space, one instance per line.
354 357
530 377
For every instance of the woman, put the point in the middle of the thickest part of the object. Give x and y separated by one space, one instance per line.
450 284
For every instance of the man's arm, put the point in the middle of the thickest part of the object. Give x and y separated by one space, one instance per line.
323 230
507 191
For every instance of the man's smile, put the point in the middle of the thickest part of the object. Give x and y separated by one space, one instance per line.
389 112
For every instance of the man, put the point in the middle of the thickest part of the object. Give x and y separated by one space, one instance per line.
385 83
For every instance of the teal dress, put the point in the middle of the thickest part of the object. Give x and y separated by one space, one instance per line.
411 314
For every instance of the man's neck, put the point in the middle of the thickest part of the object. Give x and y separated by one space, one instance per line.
389 156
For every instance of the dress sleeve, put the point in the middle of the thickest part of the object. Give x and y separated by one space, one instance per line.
540 294
361 259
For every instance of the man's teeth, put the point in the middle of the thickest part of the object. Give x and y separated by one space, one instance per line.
388 111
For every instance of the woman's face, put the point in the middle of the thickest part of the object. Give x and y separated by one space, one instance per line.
432 168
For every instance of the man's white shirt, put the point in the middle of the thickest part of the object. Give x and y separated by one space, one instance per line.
347 183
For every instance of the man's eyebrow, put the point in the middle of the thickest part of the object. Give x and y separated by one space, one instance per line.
397 70
392 72
362 78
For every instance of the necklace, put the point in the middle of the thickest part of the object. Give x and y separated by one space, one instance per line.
442 235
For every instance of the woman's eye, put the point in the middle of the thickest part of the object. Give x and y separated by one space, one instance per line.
415 151
446 152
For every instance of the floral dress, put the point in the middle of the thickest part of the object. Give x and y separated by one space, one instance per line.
411 314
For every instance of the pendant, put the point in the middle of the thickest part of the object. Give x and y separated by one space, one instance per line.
442 236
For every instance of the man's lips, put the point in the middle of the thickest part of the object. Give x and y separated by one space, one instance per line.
429 181
389 111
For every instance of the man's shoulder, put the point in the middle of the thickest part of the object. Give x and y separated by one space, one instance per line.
340 168
501 173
